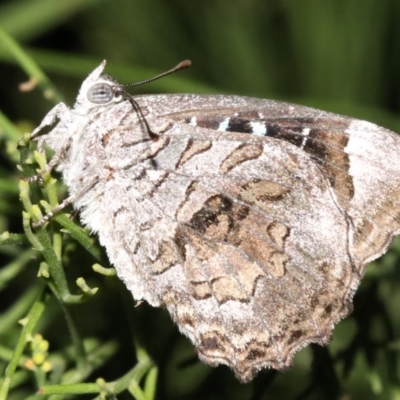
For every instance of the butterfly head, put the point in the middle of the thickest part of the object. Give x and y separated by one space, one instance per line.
98 90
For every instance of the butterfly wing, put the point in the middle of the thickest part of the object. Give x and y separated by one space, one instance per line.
250 220
254 242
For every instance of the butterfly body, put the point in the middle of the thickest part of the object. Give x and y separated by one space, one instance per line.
250 220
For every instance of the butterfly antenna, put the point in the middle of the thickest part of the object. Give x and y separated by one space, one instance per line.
135 105
182 65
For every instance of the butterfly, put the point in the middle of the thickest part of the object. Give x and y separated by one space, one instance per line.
250 220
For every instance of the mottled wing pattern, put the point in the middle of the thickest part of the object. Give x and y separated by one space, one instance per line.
255 244
250 220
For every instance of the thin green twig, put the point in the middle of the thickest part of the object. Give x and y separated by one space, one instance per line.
29 325
35 74
7 128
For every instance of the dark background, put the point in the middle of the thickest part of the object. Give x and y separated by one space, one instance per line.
338 55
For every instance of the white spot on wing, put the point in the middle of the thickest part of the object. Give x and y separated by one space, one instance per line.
258 128
305 132
193 121
223 126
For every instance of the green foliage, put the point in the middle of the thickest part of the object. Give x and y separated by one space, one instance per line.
68 331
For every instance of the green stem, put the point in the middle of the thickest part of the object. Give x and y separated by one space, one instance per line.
35 74
8 129
133 377
30 323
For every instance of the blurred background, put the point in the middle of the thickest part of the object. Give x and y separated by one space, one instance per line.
338 55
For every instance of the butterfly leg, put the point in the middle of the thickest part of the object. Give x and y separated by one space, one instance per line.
66 202
60 112
51 164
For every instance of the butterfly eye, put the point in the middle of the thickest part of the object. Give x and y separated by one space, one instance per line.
100 93
118 96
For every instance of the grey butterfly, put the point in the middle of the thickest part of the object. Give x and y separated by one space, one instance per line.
250 220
